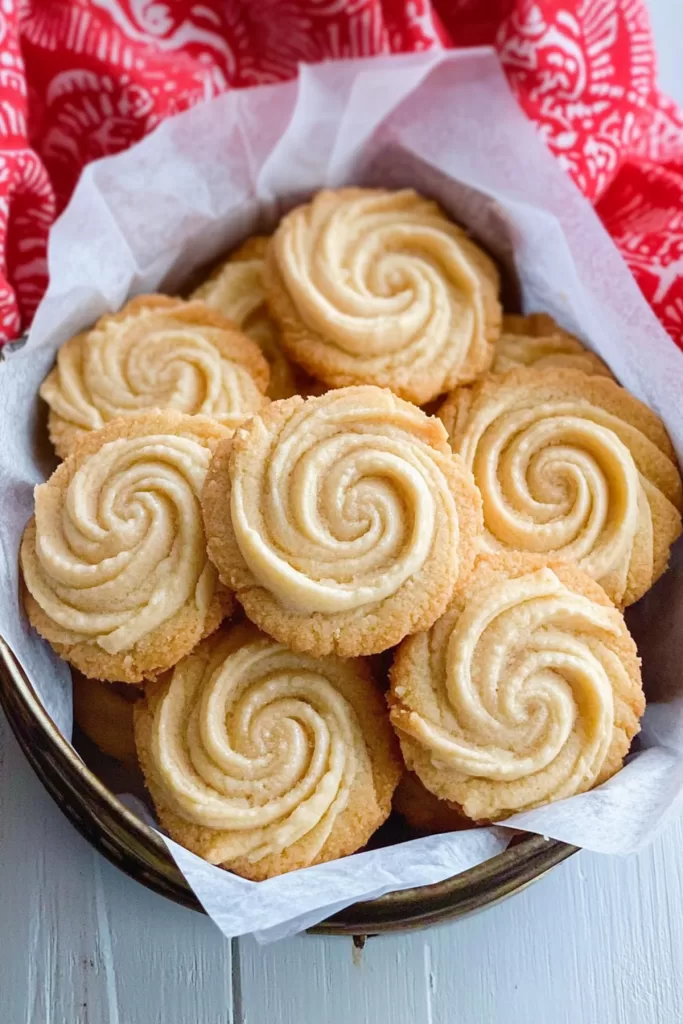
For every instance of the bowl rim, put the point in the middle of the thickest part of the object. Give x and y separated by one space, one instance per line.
140 852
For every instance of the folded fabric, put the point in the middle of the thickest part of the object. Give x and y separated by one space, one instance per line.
82 79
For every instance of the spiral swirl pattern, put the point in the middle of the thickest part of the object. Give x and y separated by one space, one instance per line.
526 690
237 290
117 548
571 465
265 750
345 505
380 287
157 352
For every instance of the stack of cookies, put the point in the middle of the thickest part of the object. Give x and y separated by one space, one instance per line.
255 516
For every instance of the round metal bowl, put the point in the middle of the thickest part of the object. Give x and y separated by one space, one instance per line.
136 849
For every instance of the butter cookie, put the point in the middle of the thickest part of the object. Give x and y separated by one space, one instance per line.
573 466
236 289
342 522
264 761
526 691
378 287
114 560
156 353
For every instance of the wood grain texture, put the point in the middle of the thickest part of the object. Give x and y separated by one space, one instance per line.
599 939
80 942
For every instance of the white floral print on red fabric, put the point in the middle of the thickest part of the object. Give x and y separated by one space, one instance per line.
103 73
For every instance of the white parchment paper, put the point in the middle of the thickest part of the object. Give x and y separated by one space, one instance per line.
446 124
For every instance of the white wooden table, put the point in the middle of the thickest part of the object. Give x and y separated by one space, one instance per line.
598 940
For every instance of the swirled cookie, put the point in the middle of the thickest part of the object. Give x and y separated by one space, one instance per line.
537 340
156 353
263 760
104 712
379 287
342 522
526 691
423 811
114 560
236 289
571 465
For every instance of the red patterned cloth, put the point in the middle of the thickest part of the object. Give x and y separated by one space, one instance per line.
80 79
